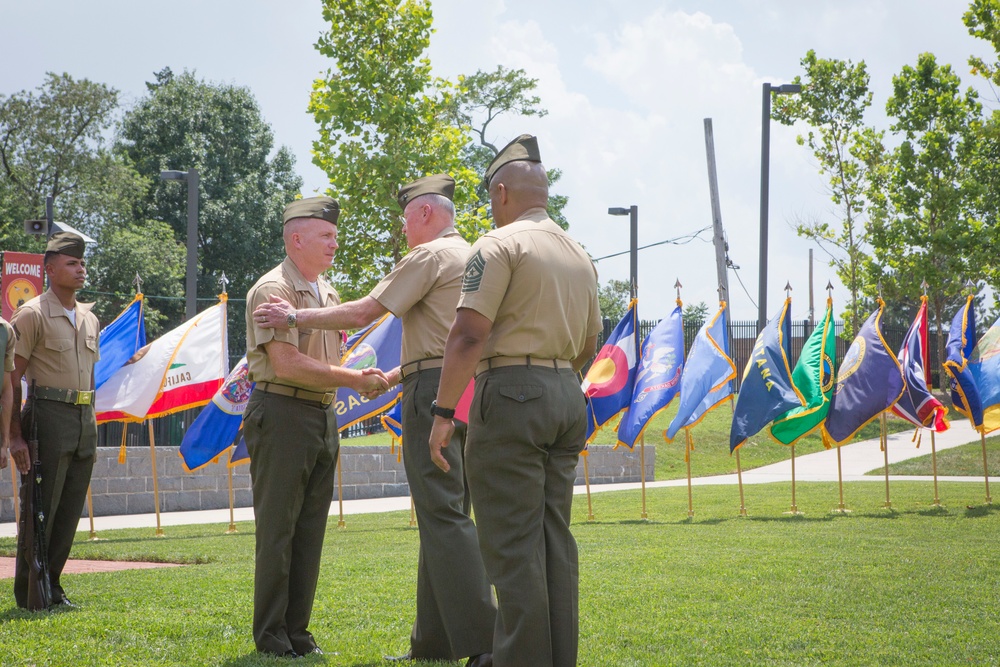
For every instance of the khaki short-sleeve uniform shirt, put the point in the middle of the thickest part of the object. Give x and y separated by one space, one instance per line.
538 287
422 290
286 281
8 355
59 355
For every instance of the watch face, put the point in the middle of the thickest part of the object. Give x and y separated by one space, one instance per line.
290 320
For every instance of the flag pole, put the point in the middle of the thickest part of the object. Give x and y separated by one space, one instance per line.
687 459
413 513
586 478
17 500
121 450
884 438
937 500
340 491
642 471
232 502
986 472
795 508
156 481
840 483
90 513
739 478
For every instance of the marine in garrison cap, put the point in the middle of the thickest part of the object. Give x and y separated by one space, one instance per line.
524 147
437 184
66 243
324 208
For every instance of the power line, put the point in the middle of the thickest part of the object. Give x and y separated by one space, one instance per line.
680 240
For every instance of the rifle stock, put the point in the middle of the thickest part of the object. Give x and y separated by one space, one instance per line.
32 534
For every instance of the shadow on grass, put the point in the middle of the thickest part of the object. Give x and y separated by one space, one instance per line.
978 511
18 614
255 659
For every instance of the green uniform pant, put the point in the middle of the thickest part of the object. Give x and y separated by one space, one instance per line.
293 447
67 449
455 609
526 431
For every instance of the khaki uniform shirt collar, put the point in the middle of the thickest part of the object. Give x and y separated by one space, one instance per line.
302 285
537 214
55 308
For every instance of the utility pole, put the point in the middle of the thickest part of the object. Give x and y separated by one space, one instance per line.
718 234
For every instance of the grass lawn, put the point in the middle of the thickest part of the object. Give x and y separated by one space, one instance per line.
963 461
711 444
910 586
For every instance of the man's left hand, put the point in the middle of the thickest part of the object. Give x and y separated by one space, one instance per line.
441 433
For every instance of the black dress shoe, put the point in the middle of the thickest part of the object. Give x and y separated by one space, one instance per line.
64 603
290 654
481 660
315 650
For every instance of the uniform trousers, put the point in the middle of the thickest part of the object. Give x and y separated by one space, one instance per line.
527 427
293 446
67 449
455 609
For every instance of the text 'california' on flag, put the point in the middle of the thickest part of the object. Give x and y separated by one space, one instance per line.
120 340
181 369
218 424
657 378
708 374
917 405
611 378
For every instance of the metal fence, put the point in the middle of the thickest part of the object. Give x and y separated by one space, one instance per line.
169 430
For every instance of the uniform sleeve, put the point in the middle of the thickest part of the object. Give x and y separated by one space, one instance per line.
408 283
256 335
28 327
595 324
487 275
8 357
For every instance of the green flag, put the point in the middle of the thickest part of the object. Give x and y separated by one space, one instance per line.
813 378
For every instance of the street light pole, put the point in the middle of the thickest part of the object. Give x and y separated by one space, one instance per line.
765 160
191 272
633 213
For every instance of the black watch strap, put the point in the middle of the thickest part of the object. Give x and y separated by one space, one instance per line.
447 413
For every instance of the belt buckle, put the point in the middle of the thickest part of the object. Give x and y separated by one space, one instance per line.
328 398
84 398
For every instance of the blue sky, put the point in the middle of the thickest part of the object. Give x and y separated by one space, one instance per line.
627 86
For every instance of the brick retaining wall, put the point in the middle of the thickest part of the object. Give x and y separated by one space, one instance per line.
368 472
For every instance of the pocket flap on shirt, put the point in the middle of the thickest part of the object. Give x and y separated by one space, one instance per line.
521 392
58 344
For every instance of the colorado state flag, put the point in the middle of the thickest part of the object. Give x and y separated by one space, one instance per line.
767 389
611 378
658 376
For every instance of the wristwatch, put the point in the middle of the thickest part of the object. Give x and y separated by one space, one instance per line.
291 319
447 413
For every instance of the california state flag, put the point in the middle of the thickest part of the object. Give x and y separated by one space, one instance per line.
181 369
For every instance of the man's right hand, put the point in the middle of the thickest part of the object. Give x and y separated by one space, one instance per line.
371 382
274 314
19 454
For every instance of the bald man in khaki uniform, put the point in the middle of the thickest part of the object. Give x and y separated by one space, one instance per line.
527 320
455 609
290 427
56 349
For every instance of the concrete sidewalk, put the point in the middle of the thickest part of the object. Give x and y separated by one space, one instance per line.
856 459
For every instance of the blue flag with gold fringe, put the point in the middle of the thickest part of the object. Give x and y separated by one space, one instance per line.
985 368
707 375
218 424
377 346
961 343
870 381
767 389
120 340
658 376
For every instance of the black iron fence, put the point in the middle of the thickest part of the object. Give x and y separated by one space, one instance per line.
169 430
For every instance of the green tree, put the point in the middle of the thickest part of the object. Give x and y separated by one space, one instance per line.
149 251
483 97
833 101
695 314
52 143
216 128
614 298
922 226
383 121
983 21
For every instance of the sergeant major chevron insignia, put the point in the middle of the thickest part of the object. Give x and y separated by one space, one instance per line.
473 273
